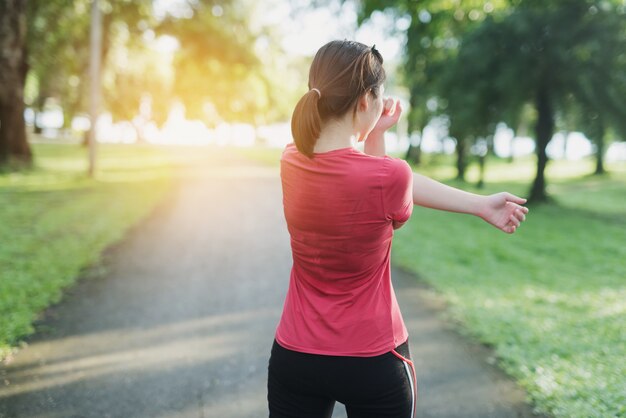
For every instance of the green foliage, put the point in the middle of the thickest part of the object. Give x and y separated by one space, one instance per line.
216 72
54 222
57 41
58 50
549 299
214 59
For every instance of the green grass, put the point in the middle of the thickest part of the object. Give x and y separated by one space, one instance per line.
55 221
550 299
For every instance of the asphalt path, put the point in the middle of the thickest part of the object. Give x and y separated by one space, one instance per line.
178 320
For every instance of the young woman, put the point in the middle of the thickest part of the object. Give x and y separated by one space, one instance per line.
341 336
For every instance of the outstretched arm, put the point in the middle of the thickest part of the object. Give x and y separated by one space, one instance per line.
502 210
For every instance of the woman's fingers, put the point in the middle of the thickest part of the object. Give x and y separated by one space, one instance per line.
398 108
515 199
390 106
509 229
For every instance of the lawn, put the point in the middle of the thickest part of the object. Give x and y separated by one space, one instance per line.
551 299
55 221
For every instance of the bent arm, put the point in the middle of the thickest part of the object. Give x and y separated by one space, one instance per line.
375 144
375 141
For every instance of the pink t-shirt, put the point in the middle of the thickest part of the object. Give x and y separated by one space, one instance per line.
340 209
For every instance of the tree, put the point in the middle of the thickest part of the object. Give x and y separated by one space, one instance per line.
471 110
601 85
542 53
13 69
55 29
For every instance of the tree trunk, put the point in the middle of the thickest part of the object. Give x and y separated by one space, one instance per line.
543 131
511 157
414 153
461 160
481 166
600 149
414 124
13 68
41 101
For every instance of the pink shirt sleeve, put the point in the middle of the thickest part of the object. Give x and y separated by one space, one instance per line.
398 191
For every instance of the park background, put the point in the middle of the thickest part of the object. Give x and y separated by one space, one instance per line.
520 95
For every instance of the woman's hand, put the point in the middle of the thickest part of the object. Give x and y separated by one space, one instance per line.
504 211
375 141
392 109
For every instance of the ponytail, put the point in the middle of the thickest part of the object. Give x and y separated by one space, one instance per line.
306 123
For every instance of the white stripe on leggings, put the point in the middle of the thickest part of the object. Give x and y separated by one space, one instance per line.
410 372
410 375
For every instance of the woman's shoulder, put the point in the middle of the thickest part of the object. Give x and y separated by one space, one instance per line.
396 168
351 159
290 147
289 152
395 163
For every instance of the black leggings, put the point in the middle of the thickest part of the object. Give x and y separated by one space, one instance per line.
307 385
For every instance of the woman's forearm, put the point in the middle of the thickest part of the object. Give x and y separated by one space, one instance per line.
375 144
375 141
433 194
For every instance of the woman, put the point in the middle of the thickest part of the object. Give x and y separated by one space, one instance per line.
341 336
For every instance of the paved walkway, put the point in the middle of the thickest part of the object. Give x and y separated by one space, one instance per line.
181 322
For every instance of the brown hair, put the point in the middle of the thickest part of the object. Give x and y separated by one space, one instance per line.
341 72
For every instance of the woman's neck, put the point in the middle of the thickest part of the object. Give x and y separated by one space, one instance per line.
334 136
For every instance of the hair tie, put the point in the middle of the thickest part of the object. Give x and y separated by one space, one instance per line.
376 53
319 93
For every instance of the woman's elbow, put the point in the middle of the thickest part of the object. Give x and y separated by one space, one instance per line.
397 225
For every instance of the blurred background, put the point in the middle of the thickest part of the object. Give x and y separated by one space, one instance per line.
522 95
502 78
183 72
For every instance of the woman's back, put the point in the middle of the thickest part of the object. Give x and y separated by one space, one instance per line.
340 207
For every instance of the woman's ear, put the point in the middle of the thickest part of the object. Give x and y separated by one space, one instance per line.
362 103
